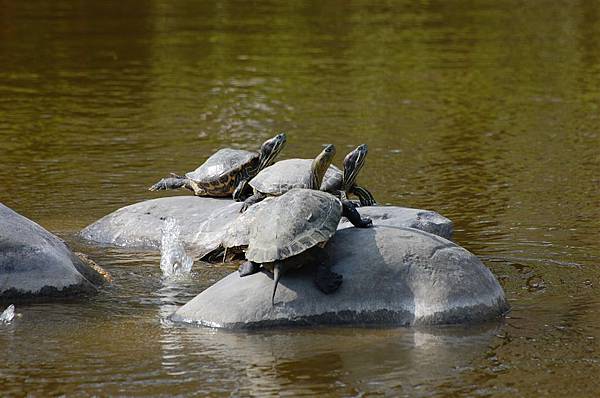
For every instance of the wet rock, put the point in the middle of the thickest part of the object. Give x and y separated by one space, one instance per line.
204 221
139 225
392 275
36 263
425 220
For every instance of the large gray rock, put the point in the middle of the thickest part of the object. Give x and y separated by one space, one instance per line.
425 220
139 225
392 275
35 263
203 222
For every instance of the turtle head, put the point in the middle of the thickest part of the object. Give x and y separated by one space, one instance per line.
321 164
270 149
353 162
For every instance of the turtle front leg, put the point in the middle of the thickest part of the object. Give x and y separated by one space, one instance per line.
248 268
349 211
365 196
257 197
241 191
325 279
169 183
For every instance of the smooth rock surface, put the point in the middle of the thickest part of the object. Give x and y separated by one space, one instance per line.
139 225
392 275
36 263
425 220
203 222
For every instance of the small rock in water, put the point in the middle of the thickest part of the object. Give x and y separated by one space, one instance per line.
8 314
173 259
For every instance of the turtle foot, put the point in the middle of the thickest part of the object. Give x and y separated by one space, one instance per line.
168 183
365 222
159 186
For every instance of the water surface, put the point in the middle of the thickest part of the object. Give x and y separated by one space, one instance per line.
485 111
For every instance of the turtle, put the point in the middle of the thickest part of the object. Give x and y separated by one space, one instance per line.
279 180
285 232
290 231
226 172
297 173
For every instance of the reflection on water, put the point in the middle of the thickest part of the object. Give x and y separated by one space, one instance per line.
484 111
351 361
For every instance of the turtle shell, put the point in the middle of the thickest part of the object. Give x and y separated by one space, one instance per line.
293 173
237 233
210 232
222 162
293 223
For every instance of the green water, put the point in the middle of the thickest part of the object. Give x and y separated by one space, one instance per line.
485 111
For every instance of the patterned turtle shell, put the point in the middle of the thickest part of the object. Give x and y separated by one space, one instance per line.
293 223
288 174
221 172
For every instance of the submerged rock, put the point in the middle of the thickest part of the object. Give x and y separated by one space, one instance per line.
204 221
392 275
34 262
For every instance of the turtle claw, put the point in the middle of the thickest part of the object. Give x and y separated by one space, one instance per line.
349 211
159 186
327 281
366 222
168 183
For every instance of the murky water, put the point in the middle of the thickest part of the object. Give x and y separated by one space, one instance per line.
485 111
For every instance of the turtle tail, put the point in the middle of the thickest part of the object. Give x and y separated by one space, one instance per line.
276 276
169 183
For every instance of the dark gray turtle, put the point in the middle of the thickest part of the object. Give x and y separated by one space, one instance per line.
297 173
236 235
289 231
226 172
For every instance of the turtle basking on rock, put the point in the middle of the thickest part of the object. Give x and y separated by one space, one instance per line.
299 173
288 231
235 237
226 172
291 231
